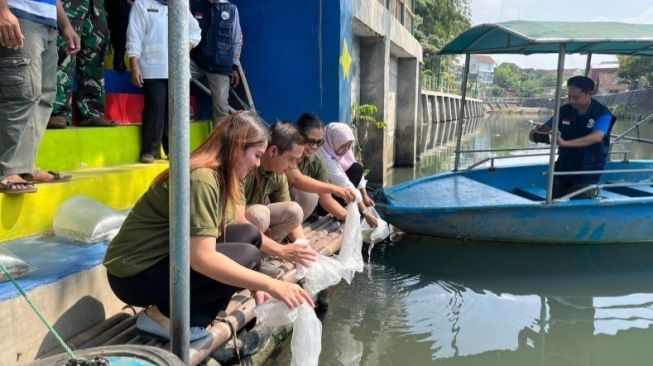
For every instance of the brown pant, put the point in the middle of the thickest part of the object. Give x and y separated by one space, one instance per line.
280 217
306 200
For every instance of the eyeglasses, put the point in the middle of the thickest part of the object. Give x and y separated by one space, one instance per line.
313 142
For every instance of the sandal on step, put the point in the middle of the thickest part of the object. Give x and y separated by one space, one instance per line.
8 187
56 178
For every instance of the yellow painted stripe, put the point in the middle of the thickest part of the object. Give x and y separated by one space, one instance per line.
117 187
94 147
102 162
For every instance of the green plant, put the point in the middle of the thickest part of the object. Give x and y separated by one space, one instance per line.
362 117
366 114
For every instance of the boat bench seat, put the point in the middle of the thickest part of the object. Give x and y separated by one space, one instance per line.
539 194
634 191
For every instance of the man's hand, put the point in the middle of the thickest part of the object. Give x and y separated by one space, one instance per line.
137 76
298 254
235 78
72 40
10 33
344 193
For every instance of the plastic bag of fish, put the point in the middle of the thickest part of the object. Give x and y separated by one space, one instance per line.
15 265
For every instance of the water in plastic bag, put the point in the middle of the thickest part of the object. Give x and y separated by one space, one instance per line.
350 255
15 265
377 234
323 273
83 219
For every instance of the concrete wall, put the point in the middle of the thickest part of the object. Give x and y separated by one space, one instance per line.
389 77
88 300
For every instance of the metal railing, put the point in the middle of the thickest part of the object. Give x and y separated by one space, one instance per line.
491 159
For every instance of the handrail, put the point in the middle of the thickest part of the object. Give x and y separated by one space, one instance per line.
610 171
492 158
635 126
502 150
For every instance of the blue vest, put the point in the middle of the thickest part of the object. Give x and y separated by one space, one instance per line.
215 53
573 125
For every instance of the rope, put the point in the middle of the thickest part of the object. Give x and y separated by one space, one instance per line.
63 344
234 335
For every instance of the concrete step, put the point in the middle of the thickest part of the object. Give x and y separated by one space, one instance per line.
103 162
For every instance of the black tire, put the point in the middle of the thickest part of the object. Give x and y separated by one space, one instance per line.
157 356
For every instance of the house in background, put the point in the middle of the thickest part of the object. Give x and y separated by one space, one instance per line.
607 80
483 67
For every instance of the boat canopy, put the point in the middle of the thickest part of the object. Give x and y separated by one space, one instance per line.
533 37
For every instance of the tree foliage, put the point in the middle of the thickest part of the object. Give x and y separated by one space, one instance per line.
438 22
634 68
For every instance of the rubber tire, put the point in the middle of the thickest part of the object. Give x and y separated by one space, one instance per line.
157 356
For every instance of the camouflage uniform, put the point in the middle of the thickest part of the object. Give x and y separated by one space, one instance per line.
89 19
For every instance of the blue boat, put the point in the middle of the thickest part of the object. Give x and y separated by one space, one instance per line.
499 202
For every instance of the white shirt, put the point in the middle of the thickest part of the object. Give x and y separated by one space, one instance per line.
338 176
147 37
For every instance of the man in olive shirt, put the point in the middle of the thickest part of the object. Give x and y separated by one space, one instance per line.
266 194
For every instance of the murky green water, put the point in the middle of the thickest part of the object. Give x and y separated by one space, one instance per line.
444 302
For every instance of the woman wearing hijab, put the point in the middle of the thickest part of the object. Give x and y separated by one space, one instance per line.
342 168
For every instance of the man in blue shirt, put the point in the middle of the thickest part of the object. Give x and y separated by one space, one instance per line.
583 138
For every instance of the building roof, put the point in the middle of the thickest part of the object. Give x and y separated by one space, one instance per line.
483 59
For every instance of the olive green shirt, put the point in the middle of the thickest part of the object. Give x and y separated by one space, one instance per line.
311 166
144 238
261 186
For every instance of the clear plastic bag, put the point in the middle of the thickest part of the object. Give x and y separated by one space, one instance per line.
350 255
83 219
323 273
15 265
274 313
377 234
306 343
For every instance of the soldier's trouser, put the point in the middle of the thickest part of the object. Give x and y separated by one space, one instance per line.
89 69
27 90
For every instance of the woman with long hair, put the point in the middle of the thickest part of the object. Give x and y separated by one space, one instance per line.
224 256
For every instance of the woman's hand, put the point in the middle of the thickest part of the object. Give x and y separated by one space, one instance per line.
371 220
298 254
344 193
261 297
367 201
290 294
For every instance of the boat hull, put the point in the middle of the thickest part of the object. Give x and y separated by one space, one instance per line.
483 205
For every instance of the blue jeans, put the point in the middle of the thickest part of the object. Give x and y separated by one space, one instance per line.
28 78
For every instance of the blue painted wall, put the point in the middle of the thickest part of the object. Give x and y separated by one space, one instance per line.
290 55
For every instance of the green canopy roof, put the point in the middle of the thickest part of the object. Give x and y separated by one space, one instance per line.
530 37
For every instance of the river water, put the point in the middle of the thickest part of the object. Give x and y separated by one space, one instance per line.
435 301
